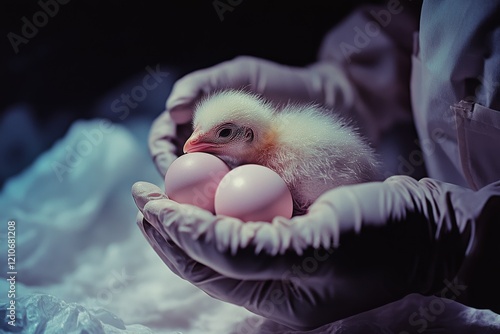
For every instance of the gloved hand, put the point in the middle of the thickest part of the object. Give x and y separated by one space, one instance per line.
323 83
358 247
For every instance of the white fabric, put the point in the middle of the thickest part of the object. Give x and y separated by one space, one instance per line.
76 239
455 91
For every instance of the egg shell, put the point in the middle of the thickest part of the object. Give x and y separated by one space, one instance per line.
193 178
253 193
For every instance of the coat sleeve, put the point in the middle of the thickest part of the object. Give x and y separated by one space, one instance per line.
456 105
455 91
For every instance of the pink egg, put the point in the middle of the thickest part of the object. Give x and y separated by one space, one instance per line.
253 193
193 178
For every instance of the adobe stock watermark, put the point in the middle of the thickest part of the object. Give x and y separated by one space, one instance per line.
223 6
202 195
363 35
114 284
452 119
130 101
74 154
484 91
429 313
92 138
415 159
292 278
30 27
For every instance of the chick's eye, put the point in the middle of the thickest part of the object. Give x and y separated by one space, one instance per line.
225 133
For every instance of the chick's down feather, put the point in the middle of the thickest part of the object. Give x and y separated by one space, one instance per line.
310 147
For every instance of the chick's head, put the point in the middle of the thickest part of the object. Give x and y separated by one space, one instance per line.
233 125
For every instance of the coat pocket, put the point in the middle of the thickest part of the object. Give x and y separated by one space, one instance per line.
478 136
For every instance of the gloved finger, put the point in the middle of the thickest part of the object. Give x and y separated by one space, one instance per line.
266 298
162 139
216 285
252 250
316 229
360 204
278 83
166 139
188 224
207 279
321 83
256 250
200 233
190 88
174 257
377 203
142 192
213 283
223 288
149 234
246 276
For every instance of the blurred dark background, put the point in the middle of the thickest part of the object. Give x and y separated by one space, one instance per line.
88 48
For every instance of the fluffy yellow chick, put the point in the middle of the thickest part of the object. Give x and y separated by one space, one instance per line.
311 148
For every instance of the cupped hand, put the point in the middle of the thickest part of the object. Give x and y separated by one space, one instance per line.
321 83
358 247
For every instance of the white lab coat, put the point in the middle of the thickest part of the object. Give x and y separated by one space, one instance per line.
455 97
452 60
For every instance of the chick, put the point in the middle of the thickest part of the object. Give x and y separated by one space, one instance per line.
312 149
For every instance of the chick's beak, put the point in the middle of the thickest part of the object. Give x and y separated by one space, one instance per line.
195 143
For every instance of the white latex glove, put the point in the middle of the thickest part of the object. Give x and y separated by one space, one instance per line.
323 83
358 247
